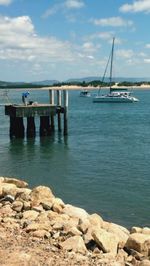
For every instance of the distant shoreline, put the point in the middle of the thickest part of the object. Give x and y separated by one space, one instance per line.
65 87
74 87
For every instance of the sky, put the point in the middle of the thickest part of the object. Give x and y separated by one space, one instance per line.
63 39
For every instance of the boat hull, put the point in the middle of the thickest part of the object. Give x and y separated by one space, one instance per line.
111 99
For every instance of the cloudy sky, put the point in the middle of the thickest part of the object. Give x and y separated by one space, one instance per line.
62 39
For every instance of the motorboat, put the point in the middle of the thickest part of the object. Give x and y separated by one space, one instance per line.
85 93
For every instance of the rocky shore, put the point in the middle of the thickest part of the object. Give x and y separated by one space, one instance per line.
37 228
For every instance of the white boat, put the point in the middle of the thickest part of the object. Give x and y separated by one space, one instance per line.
114 95
85 93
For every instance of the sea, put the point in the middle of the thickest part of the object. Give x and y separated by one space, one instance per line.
103 165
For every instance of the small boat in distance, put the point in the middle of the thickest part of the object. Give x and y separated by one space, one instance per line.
114 96
85 93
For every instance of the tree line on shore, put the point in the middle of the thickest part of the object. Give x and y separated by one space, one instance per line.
94 83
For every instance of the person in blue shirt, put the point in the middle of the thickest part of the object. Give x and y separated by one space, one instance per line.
24 97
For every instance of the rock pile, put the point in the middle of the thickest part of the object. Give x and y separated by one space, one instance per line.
37 228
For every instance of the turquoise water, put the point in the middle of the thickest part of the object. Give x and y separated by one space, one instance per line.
103 164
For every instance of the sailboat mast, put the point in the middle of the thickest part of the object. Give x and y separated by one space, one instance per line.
111 64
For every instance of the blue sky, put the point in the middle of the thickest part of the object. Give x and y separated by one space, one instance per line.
62 39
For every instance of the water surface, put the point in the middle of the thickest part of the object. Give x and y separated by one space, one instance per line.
103 164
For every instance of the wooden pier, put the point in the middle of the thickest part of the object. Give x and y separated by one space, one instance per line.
46 112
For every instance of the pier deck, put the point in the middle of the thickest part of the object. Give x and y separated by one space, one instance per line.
32 110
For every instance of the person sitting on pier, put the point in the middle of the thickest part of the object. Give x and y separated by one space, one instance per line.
24 97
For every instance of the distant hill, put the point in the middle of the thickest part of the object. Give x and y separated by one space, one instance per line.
45 82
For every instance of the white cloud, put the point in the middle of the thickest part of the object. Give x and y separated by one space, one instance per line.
125 53
137 6
104 35
5 2
62 7
113 22
74 4
18 41
147 60
90 57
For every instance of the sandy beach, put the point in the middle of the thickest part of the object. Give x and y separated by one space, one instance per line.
73 87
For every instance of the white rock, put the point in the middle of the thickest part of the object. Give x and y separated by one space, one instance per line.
107 241
75 244
75 212
139 242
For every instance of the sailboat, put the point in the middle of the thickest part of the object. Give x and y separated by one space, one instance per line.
114 96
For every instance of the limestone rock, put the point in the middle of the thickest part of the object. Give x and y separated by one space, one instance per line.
41 234
8 189
30 215
84 226
75 212
57 205
73 231
23 194
17 182
26 205
75 244
135 229
57 208
6 211
34 226
96 220
121 233
139 242
146 231
107 241
41 194
17 205
145 263
59 202
47 205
